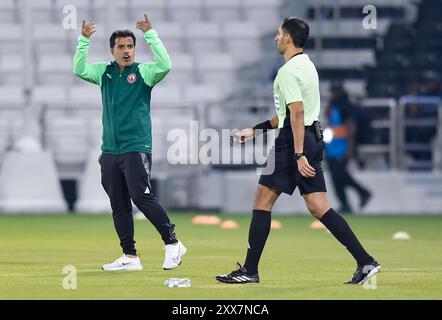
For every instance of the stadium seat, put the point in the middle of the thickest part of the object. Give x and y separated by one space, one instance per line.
206 37
158 124
163 134
55 69
242 39
354 9
185 11
50 38
91 117
350 28
12 96
342 59
99 10
362 3
10 38
167 95
95 129
67 138
183 70
49 96
37 172
92 198
217 69
264 13
11 69
12 104
9 11
164 121
84 96
172 35
354 87
203 93
4 136
43 11
165 116
17 125
83 9
156 10
222 11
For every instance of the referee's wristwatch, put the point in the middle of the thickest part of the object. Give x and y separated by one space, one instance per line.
299 155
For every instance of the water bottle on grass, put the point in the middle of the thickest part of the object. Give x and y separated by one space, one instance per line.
178 283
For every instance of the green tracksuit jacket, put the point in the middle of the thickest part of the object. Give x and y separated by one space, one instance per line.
126 97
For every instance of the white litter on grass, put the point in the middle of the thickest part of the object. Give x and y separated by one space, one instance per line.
401 235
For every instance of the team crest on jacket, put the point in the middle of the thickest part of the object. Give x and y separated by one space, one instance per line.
132 78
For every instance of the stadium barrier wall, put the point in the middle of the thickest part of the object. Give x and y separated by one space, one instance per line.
393 192
29 184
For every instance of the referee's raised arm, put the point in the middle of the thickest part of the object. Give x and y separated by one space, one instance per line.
154 72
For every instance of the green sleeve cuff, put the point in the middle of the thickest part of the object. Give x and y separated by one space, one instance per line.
82 38
150 35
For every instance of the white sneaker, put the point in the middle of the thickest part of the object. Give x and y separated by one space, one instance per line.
173 255
124 263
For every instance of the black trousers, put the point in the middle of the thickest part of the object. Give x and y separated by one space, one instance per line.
341 179
126 177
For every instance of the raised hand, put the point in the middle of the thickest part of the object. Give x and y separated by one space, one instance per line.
144 25
87 29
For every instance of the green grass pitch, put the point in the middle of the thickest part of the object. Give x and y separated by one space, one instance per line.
298 263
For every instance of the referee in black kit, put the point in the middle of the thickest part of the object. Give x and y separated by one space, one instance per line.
297 158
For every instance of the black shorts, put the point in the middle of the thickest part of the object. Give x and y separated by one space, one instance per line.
281 172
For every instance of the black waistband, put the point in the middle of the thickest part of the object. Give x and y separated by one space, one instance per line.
312 126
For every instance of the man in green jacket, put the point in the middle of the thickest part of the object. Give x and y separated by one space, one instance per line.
126 158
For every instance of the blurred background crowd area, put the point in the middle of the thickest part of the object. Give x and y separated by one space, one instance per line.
382 84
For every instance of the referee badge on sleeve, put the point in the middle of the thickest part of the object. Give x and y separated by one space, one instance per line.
276 100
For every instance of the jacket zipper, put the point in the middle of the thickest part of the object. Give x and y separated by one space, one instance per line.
117 146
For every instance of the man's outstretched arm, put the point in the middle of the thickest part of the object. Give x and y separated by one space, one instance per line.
154 72
267 125
245 135
88 72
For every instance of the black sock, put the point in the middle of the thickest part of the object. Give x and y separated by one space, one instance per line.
337 225
258 233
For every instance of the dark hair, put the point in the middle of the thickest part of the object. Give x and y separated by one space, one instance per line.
297 29
121 34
